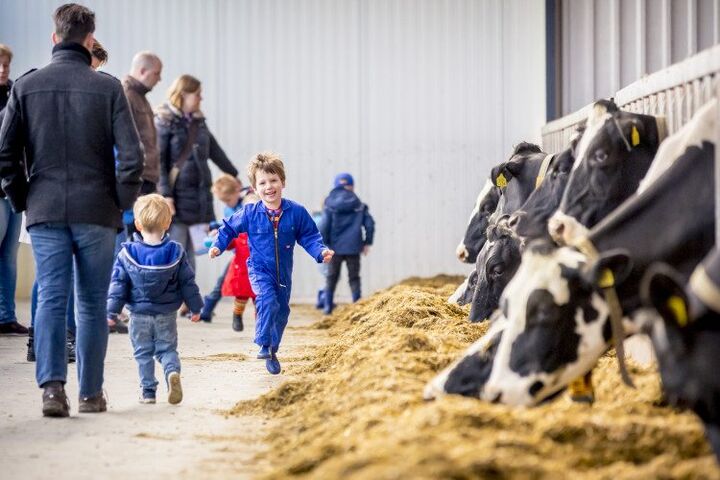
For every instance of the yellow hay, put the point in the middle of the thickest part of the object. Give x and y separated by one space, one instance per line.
355 409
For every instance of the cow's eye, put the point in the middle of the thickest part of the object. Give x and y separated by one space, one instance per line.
600 157
497 270
487 208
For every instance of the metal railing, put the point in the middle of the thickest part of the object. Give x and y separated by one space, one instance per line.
676 93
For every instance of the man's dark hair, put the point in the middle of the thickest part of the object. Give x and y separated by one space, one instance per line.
73 22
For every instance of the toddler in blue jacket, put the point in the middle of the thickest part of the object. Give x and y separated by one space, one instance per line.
153 277
273 226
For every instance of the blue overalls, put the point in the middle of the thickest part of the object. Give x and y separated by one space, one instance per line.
271 260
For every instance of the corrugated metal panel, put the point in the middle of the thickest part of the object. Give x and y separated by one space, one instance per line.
608 44
416 99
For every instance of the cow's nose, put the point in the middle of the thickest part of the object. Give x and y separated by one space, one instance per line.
515 218
556 228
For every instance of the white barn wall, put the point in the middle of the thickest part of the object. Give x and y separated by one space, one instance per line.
417 99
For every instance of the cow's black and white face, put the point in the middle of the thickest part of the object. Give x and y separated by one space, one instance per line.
685 336
613 155
531 221
496 264
557 328
463 294
474 238
467 375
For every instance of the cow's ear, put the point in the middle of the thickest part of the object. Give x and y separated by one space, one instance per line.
662 289
515 166
611 269
500 176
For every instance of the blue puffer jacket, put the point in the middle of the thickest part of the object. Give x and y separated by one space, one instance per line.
344 218
296 225
152 279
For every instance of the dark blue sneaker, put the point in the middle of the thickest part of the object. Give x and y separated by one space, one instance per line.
147 396
264 352
273 364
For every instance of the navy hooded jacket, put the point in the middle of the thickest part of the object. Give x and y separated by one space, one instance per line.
344 218
152 279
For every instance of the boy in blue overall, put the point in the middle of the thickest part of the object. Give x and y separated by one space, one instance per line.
153 277
273 226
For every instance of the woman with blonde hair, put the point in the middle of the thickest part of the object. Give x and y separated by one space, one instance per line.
185 144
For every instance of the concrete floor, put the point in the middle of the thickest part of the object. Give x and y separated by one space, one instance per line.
192 440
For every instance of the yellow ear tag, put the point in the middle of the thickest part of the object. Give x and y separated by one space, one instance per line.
501 181
607 279
635 137
678 309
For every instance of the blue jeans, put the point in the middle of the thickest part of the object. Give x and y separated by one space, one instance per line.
154 335
55 246
10 223
212 298
180 232
70 309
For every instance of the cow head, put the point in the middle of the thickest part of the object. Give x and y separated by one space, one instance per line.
557 323
531 220
463 294
474 238
522 169
496 264
468 375
613 155
685 335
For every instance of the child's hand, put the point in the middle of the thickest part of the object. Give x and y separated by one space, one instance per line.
366 249
327 255
214 252
195 317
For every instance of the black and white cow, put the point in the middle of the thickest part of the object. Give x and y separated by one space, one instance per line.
613 156
555 320
500 259
686 338
515 180
474 237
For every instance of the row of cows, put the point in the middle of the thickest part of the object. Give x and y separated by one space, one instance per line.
573 252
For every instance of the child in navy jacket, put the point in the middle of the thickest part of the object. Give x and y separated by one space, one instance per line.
273 226
153 277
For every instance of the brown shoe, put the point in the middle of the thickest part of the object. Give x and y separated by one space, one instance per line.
94 404
55 402
12 328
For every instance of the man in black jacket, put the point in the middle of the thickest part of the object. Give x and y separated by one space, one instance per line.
83 166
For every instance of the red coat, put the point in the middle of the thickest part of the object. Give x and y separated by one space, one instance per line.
237 282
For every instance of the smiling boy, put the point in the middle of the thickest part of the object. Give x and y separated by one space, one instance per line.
273 226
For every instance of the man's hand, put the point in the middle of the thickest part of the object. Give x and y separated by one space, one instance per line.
170 203
195 317
327 255
214 252
366 249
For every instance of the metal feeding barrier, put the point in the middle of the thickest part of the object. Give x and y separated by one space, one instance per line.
675 93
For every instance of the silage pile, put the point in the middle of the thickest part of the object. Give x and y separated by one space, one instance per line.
356 410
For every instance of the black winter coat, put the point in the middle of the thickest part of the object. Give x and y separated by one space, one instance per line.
191 192
83 156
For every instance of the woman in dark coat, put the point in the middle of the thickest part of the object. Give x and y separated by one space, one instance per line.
185 144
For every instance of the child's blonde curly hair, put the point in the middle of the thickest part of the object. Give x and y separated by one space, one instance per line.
152 213
268 162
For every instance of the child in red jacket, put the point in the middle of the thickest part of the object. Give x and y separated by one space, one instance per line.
236 284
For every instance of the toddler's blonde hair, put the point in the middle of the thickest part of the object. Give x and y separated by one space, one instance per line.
268 162
226 185
152 213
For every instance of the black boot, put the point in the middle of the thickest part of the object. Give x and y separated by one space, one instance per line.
237 324
70 347
329 297
55 403
31 345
